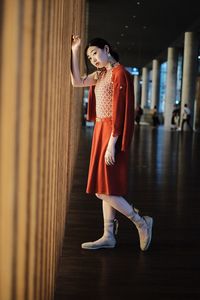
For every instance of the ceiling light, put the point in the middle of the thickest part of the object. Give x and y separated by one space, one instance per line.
126 26
122 34
138 3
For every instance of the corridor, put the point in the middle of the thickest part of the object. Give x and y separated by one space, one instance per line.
164 183
45 213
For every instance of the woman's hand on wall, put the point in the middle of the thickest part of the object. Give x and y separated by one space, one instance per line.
76 42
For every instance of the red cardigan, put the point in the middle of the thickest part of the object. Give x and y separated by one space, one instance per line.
122 105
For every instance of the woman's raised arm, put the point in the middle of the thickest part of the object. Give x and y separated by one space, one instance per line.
76 78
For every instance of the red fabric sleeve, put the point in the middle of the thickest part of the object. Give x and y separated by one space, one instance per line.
118 102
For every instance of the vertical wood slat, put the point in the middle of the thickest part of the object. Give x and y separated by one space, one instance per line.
7 146
22 141
34 166
40 120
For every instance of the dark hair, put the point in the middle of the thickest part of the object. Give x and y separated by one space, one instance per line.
100 43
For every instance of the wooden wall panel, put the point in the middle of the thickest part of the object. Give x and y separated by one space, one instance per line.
40 121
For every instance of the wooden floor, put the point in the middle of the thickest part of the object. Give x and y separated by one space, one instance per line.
164 183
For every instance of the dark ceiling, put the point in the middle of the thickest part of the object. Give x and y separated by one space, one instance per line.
141 31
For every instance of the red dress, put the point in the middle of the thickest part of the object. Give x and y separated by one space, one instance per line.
111 106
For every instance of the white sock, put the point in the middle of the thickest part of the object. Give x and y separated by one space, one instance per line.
108 211
110 227
121 205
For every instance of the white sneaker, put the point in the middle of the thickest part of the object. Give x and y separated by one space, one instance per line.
107 240
104 242
145 233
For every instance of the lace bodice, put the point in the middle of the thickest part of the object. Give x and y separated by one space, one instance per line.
103 93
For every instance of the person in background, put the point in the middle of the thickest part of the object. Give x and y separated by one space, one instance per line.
186 117
111 107
138 114
175 117
155 118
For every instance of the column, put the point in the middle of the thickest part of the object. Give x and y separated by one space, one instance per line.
155 83
189 72
170 86
144 87
197 106
137 89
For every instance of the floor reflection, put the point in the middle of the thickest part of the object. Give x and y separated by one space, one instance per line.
164 182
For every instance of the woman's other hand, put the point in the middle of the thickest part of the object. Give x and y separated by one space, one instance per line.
110 156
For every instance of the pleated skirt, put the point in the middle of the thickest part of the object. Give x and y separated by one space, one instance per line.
104 179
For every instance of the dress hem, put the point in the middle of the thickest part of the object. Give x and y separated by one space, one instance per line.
108 194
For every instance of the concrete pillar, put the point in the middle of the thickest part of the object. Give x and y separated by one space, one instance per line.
137 89
144 87
155 84
197 106
172 59
189 72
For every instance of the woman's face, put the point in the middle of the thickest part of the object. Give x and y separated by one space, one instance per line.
97 56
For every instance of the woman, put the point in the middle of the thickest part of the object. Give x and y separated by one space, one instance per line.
111 106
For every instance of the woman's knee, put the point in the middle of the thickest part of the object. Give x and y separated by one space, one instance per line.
100 196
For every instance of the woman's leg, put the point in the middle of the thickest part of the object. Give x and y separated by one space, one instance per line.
108 239
108 211
143 224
